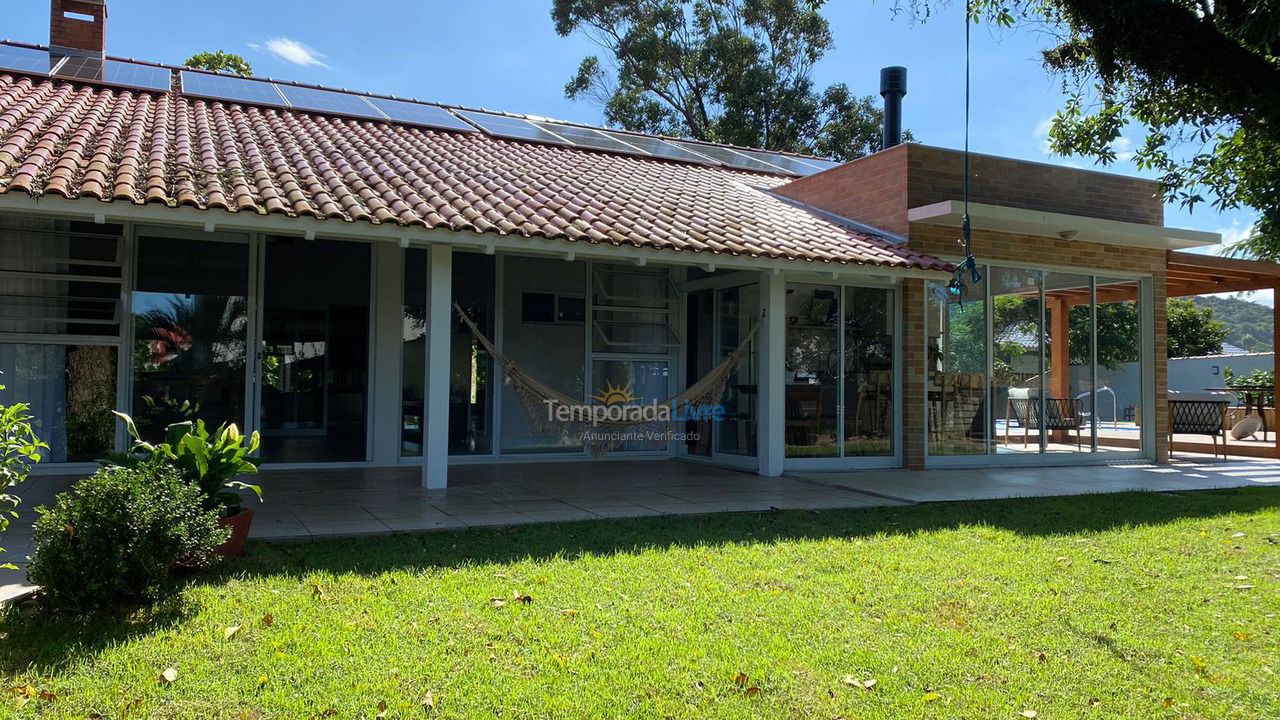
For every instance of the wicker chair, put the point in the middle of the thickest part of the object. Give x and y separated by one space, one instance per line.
1059 414
1199 414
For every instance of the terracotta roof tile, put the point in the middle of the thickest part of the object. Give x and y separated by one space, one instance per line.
77 141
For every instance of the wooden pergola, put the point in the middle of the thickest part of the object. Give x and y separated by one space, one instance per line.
1195 274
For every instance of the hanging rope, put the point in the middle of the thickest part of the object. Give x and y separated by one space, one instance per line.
543 405
970 263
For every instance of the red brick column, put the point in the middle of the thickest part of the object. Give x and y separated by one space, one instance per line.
913 371
1160 314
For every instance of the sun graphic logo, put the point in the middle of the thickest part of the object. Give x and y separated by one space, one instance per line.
615 394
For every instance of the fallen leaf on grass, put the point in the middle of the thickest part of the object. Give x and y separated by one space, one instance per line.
230 632
497 602
268 619
1168 703
169 676
753 691
932 697
1028 713
740 679
1244 587
853 681
1094 702
382 709
262 681
521 597
1241 636
428 701
568 612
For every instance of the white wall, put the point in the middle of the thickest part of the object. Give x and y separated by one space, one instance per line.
1198 373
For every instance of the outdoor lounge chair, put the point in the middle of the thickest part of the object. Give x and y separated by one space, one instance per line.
1199 414
1059 414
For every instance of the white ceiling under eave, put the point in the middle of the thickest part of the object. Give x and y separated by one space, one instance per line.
999 218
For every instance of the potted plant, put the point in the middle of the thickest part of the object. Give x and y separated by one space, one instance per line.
210 462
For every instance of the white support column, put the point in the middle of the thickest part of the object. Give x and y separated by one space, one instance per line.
386 409
435 416
771 444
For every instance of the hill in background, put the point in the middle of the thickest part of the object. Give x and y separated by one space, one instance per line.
1250 323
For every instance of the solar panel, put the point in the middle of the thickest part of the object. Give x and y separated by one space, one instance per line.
511 127
661 148
591 138
729 157
793 165
230 87
419 114
821 163
328 101
27 60
116 72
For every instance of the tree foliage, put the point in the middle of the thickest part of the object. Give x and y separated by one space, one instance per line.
1199 77
1193 330
219 61
1249 324
733 71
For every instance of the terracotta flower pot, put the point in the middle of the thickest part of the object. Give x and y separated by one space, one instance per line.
239 524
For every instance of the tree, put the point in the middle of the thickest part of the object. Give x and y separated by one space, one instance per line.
220 62
1198 76
733 71
1117 328
1193 330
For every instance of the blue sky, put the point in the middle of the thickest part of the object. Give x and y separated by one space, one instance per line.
505 54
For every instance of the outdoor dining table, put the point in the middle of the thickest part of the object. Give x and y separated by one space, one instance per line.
1250 392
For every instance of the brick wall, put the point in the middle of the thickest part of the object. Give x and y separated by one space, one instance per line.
936 174
913 370
77 34
871 190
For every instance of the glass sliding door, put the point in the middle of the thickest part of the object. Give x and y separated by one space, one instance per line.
868 372
1017 345
1068 363
471 388
1118 407
812 371
958 414
738 310
71 390
544 330
190 327
315 356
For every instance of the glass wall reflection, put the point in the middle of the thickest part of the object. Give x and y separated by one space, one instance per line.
315 358
190 324
957 380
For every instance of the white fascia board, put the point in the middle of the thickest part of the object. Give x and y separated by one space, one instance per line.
1000 218
155 215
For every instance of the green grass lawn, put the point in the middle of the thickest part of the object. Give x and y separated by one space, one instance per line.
1116 606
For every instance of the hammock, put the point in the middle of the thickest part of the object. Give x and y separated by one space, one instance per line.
542 404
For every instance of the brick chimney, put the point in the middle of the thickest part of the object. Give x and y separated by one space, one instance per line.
78 27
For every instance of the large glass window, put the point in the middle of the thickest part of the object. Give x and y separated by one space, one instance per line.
839 371
739 311
868 372
544 331
315 359
471 368
957 387
59 277
190 324
812 371
1064 356
71 390
1118 407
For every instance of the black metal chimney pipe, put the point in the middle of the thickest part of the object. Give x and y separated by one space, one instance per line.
893 86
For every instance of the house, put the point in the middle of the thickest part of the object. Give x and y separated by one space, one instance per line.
183 244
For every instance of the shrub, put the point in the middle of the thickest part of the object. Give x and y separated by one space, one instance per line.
116 537
211 462
19 450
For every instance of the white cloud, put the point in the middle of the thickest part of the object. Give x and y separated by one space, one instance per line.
1123 148
1234 234
295 52
1041 133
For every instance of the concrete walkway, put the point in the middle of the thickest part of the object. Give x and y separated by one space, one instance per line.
302 505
